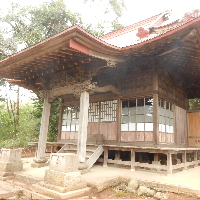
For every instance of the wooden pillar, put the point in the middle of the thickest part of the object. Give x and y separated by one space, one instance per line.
105 160
117 155
83 124
40 154
169 164
155 110
155 119
155 156
184 160
195 159
132 160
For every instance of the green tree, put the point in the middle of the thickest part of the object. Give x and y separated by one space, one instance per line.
194 104
30 25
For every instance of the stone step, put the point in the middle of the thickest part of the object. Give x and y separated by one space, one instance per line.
25 178
8 190
57 195
38 196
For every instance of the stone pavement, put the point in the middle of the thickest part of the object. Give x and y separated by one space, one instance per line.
100 177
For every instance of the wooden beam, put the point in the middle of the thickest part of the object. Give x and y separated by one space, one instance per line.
72 89
83 124
40 154
169 51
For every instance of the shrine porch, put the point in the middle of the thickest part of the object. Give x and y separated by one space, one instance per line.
157 158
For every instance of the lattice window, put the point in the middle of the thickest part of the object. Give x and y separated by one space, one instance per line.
98 112
137 115
93 112
70 118
165 116
108 111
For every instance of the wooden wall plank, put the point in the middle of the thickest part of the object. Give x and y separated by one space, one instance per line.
194 129
140 136
149 136
180 116
112 131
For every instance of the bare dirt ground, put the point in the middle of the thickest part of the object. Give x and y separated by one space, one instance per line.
112 193
117 192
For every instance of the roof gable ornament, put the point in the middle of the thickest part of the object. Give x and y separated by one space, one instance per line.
188 16
142 33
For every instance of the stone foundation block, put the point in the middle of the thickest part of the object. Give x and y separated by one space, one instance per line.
57 195
10 155
11 166
63 189
64 162
62 179
39 165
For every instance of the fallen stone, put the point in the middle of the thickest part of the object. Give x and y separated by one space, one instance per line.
160 195
142 190
150 192
132 186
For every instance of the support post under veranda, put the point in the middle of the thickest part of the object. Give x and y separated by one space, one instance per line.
40 159
83 124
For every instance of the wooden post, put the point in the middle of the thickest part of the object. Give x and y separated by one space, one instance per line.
40 154
132 160
117 155
118 120
83 124
105 160
155 156
169 164
184 160
155 119
195 159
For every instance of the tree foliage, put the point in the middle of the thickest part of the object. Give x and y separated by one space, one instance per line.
194 104
30 25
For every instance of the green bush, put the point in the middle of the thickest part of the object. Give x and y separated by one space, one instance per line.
18 135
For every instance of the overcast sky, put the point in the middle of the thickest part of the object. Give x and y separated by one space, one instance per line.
136 10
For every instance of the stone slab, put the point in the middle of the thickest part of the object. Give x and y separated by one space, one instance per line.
38 196
39 165
63 189
10 155
8 190
11 166
57 195
28 179
64 162
62 179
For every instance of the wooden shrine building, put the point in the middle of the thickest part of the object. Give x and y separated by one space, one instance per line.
125 93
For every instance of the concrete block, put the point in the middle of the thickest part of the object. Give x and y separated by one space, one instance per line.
64 162
11 166
62 179
10 155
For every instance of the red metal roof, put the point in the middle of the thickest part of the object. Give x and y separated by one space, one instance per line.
132 27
